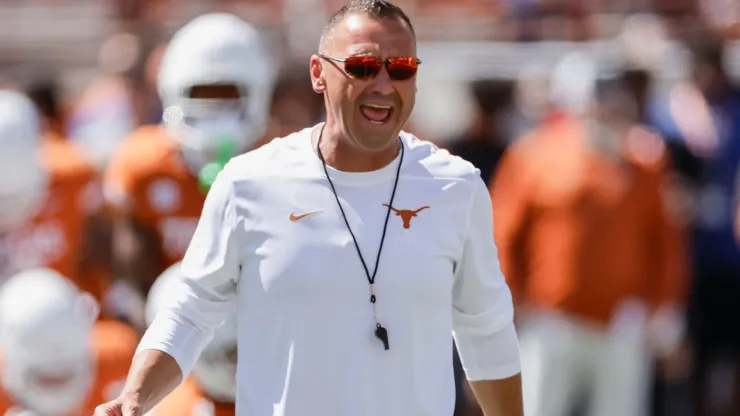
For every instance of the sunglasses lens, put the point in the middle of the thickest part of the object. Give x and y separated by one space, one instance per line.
401 69
362 67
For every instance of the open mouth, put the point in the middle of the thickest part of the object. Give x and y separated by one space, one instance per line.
377 113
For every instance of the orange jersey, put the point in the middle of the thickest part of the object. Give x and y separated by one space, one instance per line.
114 345
189 400
578 232
55 237
148 181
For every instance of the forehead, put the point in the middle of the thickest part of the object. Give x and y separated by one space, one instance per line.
361 34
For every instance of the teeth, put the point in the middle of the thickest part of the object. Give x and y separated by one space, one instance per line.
380 107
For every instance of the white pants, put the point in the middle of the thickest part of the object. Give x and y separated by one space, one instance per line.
565 362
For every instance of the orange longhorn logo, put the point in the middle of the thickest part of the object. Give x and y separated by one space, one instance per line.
406 214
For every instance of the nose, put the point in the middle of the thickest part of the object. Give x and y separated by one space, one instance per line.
382 83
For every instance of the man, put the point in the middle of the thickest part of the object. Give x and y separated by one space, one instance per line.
212 387
589 246
287 241
58 359
48 197
215 81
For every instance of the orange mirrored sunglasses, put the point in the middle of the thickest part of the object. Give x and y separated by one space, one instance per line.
366 67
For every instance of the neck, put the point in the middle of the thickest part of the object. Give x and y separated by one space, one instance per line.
340 154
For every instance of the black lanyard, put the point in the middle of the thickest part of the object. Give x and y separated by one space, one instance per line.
380 332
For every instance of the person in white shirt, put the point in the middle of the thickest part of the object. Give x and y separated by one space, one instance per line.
349 252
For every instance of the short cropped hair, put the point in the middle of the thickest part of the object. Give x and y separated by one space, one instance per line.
379 9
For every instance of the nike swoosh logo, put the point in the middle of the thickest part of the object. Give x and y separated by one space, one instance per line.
295 218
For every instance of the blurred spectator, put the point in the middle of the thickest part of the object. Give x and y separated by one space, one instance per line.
485 142
527 17
644 41
531 18
591 251
667 384
707 114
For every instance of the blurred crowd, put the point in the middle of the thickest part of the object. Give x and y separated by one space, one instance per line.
608 133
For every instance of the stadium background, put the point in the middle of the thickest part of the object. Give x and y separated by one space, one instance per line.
98 60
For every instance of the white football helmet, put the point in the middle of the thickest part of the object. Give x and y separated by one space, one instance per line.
45 334
573 83
216 49
215 371
23 179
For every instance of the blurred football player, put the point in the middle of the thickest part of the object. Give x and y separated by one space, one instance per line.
23 180
48 197
215 81
211 388
70 157
58 359
592 249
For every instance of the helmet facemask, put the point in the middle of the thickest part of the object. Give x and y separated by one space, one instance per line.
52 389
210 130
